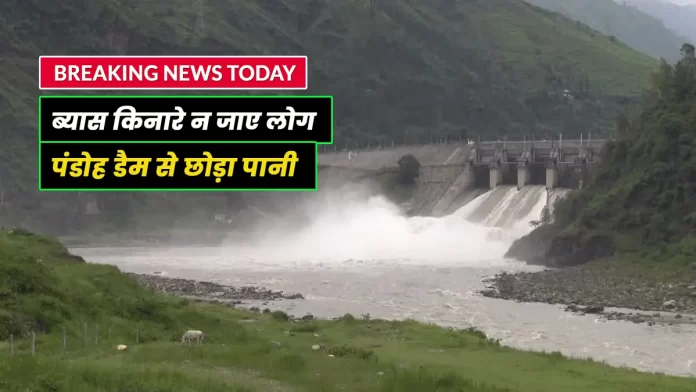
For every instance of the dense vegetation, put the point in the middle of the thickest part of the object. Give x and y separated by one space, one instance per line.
402 70
641 204
628 24
44 289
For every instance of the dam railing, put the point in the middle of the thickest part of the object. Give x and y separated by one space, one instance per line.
585 141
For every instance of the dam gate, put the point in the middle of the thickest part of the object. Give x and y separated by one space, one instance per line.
449 169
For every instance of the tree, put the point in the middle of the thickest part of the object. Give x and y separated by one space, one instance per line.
685 74
464 133
678 82
408 169
545 218
621 125
662 80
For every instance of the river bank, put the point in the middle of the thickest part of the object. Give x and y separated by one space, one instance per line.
658 294
583 290
209 291
245 351
442 295
150 239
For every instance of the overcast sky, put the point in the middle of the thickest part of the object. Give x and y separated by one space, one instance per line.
682 2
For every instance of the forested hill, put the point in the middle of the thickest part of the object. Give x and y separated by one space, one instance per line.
677 17
427 64
399 69
630 25
642 202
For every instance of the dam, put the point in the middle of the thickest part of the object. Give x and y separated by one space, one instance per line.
453 174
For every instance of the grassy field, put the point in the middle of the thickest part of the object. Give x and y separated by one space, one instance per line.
43 289
367 356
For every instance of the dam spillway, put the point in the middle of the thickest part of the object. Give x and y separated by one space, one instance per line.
452 174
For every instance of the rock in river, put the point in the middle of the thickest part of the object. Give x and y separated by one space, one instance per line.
590 289
208 290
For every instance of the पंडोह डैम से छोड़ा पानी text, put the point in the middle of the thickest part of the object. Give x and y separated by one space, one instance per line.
122 166
88 166
264 143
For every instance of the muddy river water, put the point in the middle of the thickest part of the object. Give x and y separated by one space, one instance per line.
446 295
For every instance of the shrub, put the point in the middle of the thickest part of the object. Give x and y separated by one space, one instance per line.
279 315
351 351
409 168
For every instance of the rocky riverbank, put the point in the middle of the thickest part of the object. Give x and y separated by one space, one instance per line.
589 289
209 291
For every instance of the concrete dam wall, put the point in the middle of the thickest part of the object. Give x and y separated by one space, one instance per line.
375 159
453 174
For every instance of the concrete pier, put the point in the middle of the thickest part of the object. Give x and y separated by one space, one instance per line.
523 174
496 174
551 176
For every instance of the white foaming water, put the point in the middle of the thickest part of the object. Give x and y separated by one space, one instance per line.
350 226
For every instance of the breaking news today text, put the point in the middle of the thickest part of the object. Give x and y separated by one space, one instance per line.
173 72
179 142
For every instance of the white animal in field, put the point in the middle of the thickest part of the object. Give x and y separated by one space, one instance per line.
192 335
121 347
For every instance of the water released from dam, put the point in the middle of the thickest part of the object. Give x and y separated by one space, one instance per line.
349 252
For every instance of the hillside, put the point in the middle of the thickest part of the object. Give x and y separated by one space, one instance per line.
630 25
679 18
44 290
450 60
400 70
640 205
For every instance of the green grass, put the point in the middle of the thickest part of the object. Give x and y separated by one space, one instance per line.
241 351
412 356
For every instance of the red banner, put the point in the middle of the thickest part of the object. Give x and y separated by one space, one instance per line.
173 72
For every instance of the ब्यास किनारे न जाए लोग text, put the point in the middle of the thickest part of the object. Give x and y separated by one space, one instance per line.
127 117
186 118
88 166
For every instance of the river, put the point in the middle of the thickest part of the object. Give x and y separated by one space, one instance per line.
364 257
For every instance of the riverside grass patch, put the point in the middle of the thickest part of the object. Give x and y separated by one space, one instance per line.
361 355
245 351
